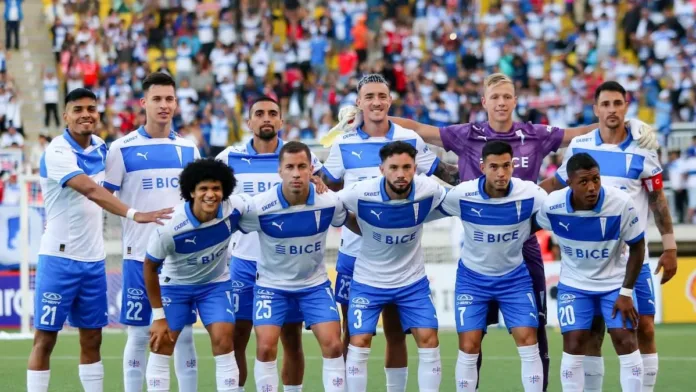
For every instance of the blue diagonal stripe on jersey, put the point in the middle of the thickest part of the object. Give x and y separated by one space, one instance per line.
200 239
585 228
496 214
253 163
615 163
296 224
156 156
361 155
394 216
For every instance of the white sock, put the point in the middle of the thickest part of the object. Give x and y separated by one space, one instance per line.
631 372
288 388
465 372
157 372
572 373
334 374
397 378
135 358
429 369
226 373
266 375
532 369
650 362
594 373
356 368
37 380
185 362
92 377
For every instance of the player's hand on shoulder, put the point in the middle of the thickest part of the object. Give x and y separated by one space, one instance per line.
160 335
154 216
644 134
319 184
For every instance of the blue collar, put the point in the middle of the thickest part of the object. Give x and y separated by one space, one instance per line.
365 136
482 188
192 218
252 151
385 195
73 143
141 131
284 203
623 145
597 208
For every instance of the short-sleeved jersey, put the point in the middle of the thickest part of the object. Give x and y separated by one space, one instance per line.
195 252
145 173
354 157
74 224
292 238
593 254
391 255
530 144
255 173
495 229
625 166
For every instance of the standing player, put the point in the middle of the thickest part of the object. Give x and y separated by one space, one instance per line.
193 247
255 166
144 169
495 210
292 220
530 144
391 211
625 165
353 157
591 223
70 277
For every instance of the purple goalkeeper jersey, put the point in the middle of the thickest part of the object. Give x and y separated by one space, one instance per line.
530 144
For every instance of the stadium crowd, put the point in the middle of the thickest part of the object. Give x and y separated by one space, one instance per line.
435 53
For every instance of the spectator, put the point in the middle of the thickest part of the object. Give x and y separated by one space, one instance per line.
11 194
11 137
13 18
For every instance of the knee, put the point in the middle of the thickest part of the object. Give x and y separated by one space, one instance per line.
395 338
333 349
574 346
44 342
646 331
624 341
470 346
91 342
429 341
363 340
266 350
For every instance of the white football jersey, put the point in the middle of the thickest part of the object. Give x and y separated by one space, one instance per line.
292 238
593 254
354 157
625 166
255 173
495 229
74 224
195 252
391 230
145 173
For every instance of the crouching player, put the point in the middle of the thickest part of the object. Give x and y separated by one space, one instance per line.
591 223
390 269
193 246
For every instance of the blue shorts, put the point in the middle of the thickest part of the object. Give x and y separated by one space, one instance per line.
513 292
70 289
243 274
317 304
416 309
344 277
577 308
213 301
644 293
135 307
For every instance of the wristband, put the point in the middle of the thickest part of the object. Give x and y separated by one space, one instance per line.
157 314
131 213
668 242
624 291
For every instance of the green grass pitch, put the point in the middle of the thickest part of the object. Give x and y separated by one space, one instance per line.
500 373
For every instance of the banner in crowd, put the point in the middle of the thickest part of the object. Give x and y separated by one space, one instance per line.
10 250
681 291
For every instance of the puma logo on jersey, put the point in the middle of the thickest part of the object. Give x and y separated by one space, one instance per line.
533 315
478 212
191 240
357 154
376 214
564 225
482 137
140 154
279 226
247 160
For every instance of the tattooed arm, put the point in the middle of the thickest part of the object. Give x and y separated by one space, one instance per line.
447 173
663 221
